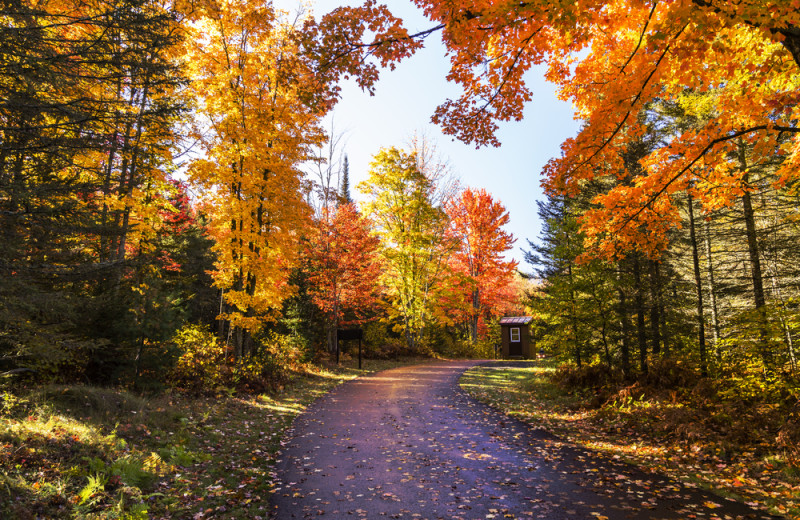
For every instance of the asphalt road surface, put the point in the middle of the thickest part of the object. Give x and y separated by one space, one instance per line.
408 443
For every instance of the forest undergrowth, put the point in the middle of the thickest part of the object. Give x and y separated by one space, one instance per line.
693 429
72 451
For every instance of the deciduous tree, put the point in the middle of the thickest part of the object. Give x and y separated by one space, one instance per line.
344 268
611 58
476 225
256 125
411 228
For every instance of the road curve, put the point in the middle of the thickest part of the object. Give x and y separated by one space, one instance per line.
408 443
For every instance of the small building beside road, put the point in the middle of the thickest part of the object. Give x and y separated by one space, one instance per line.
515 336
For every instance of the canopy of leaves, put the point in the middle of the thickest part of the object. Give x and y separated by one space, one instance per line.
611 58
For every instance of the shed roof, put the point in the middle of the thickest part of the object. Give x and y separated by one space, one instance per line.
516 320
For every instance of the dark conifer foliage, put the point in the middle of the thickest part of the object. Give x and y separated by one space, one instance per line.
720 296
344 192
89 103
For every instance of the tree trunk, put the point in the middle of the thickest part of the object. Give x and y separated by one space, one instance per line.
655 307
755 270
574 318
625 352
712 292
473 322
220 321
787 334
701 330
640 311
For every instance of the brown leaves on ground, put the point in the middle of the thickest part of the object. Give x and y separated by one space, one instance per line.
737 447
89 452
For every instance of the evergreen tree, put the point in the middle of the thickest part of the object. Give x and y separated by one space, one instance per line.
344 192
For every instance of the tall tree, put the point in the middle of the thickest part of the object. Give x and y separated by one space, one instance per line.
344 191
553 257
256 128
343 268
91 97
476 225
411 228
612 58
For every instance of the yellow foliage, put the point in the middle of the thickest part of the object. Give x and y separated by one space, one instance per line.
255 129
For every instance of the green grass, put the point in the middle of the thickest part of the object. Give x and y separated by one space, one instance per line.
660 433
87 452
510 390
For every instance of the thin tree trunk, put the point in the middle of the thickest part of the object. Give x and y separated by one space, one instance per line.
655 307
220 320
606 349
701 326
473 325
787 335
755 270
625 327
573 312
712 292
640 311
665 330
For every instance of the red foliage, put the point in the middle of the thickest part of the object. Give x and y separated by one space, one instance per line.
487 285
344 265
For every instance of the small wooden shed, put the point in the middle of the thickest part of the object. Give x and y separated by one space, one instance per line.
516 336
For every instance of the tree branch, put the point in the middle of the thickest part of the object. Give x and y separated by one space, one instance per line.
686 168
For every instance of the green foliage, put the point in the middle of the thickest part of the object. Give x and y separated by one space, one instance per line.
39 334
301 319
180 456
464 348
131 472
92 492
381 342
411 226
266 369
96 403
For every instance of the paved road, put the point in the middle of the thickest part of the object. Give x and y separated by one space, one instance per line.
407 443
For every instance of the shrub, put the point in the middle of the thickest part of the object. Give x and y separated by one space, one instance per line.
90 401
596 376
380 343
267 368
203 365
207 366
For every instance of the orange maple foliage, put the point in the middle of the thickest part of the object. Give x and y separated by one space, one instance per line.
255 125
344 266
611 58
355 42
476 225
262 83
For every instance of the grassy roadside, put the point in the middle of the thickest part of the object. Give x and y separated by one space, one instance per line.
635 429
87 452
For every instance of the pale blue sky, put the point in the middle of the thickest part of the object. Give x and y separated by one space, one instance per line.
404 101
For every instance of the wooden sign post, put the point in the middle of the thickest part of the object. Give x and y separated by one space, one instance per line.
349 334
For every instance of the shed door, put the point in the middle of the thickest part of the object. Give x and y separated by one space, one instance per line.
515 343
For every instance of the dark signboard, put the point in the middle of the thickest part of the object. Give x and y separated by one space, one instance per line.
348 334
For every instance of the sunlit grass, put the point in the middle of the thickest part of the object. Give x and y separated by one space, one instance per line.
87 452
624 428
